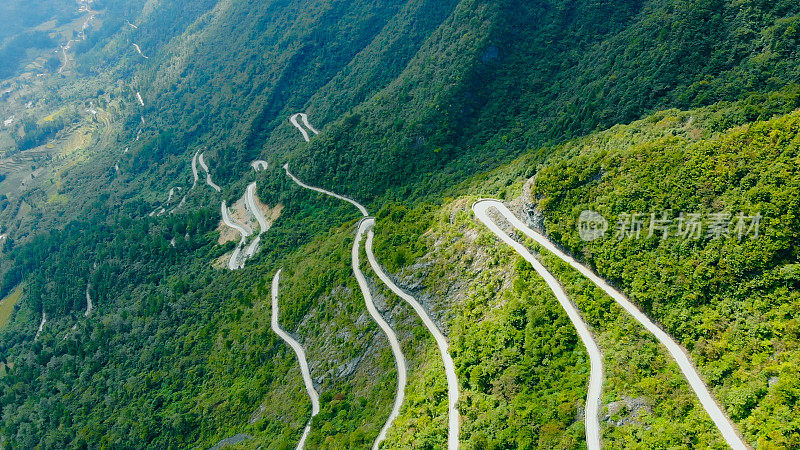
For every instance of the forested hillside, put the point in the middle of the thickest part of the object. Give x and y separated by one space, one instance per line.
132 332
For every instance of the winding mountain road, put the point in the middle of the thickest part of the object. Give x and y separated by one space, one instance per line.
250 203
592 415
400 361
326 192
307 124
364 226
301 357
41 326
64 49
81 34
441 342
297 125
244 231
208 174
263 225
719 417
233 263
68 45
136 46
139 98
251 249
89 305
194 170
259 165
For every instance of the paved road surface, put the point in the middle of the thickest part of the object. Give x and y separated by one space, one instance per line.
308 125
233 263
89 306
194 169
304 118
301 357
208 174
250 202
259 165
592 415
399 359
140 51
719 417
441 342
326 192
41 326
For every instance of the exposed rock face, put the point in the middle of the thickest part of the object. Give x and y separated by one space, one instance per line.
625 411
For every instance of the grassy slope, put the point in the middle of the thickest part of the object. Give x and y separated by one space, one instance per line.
7 306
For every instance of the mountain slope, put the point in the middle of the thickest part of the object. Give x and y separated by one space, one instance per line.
423 106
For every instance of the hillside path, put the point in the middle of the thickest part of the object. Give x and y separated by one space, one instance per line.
592 415
400 361
718 416
441 342
301 357
209 181
304 118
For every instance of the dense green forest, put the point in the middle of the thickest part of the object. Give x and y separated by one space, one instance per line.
728 297
17 16
624 108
